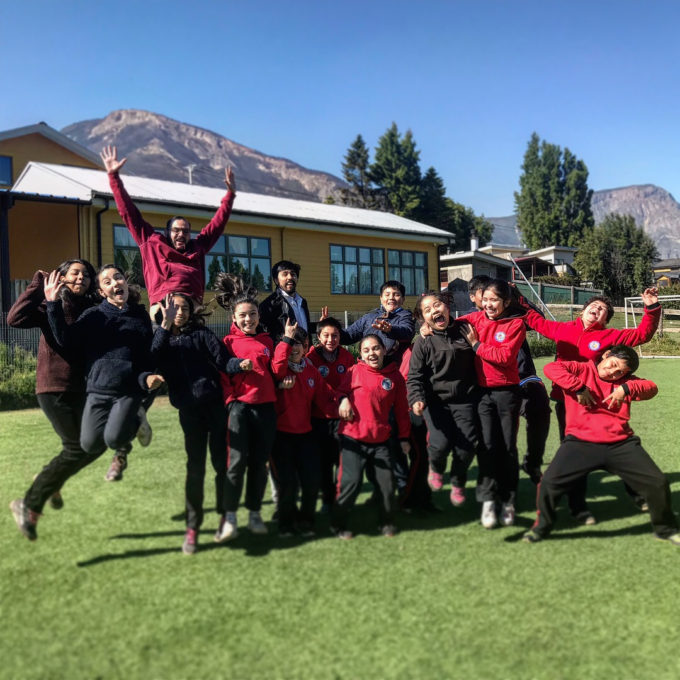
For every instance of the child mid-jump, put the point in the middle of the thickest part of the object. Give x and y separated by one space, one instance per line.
598 437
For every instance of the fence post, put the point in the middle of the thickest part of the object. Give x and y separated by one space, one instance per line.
572 295
346 319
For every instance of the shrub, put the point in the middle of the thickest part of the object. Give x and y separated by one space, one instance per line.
540 346
18 391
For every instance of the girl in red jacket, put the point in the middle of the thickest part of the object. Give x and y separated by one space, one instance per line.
295 461
373 390
496 340
250 400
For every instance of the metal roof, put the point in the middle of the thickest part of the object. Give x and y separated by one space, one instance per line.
84 184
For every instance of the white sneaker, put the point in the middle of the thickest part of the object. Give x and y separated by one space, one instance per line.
227 530
489 519
144 433
256 525
507 514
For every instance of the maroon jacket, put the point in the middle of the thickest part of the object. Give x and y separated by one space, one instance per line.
596 423
54 373
166 270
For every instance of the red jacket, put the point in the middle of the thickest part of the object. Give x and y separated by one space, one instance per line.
332 372
497 349
256 386
596 423
294 405
373 394
165 269
575 342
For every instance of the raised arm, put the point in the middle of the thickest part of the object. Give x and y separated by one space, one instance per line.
215 228
27 311
648 324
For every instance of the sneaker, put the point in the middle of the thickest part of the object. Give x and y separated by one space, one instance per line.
286 533
227 530
190 542
489 519
56 501
435 480
457 496
144 432
342 534
673 539
25 518
256 525
306 530
118 464
389 530
532 471
531 537
586 518
507 514
641 504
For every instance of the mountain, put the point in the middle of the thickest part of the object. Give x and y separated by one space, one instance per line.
653 208
162 148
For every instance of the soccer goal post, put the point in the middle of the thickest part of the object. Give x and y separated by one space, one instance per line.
633 307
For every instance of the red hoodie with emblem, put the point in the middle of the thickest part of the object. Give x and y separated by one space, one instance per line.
597 423
256 386
496 352
373 394
332 372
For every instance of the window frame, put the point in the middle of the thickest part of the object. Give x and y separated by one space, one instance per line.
409 283
10 168
376 270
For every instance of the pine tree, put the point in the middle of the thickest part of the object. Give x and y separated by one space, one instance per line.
355 170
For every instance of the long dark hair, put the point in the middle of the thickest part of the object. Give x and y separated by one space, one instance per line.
231 290
197 313
134 294
91 296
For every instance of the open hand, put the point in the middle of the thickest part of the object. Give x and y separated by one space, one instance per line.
229 179
53 286
382 324
109 156
585 398
650 296
169 312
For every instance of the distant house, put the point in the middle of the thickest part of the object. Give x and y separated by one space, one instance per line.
666 272
57 204
463 265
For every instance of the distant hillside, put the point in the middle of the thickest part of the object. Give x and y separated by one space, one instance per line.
159 147
653 208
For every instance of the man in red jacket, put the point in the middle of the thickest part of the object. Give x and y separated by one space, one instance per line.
599 437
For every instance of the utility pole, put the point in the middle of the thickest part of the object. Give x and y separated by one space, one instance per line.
190 169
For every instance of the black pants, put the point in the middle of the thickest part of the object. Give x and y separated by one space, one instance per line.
451 427
250 437
204 426
109 422
627 459
535 409
66 411
498 410
418 493
354 457
328 446
295 466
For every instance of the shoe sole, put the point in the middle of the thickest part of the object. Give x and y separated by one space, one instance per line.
226 539
258 532
17 513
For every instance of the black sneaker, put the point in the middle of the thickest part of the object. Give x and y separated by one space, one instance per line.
118 464
342 534
25 518
586 518
531 537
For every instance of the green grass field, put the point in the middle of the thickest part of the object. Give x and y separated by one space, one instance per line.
106 593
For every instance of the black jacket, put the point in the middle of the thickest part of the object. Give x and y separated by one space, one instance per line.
190 363
442 368
274 311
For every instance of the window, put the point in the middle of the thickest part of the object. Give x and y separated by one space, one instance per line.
410 268
126 254
356 271
6 170
247 256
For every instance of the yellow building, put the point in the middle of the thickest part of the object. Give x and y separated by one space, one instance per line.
59 211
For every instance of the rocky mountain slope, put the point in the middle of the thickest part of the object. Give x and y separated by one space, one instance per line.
160 147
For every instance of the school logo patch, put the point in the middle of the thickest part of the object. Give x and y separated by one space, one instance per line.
324 371
499 337
386 384
341 369
310 382
593 345
266 351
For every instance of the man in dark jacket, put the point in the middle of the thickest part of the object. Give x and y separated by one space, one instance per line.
285 303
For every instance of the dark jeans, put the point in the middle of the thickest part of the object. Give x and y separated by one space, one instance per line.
295 466
250 437
535 409
498 410
354 457
627 459
451 427
109 422
328 446
418 493
204 426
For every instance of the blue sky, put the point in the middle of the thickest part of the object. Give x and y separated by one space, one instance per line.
471 79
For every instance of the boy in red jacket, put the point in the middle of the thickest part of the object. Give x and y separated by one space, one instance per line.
599 437
373 392
295 459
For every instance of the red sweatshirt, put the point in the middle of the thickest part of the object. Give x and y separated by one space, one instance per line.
575 342
166 270
373 393
256 386
596 423
294 406
332 372
497 349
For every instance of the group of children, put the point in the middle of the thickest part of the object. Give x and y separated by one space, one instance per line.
317 420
